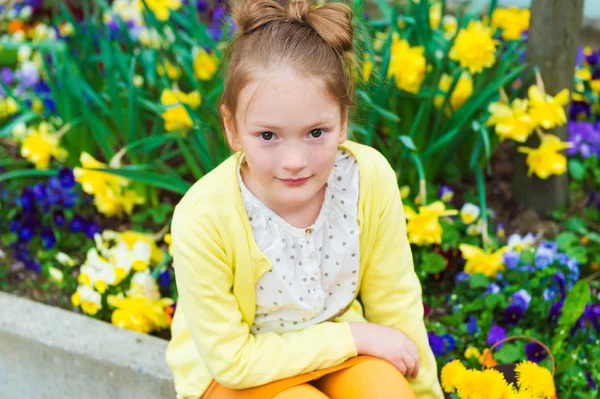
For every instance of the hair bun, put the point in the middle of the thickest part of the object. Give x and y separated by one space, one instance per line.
250 15
333 22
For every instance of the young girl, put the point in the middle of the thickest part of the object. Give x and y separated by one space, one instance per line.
294 271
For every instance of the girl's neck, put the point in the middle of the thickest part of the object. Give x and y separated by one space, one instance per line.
300 217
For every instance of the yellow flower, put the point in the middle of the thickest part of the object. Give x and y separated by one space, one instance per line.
176 116
595 85
450 26
452 373
489 360
424 228
8 106
511 122
168 239
535 380
513 21
471 351
469 213
583 74
173 72
96 182
473 385
160 8
139 313
407 65
478 261
40 146
367 69
205 64
435 15
547 111
461 93
89 300
546 160
404 192
474 48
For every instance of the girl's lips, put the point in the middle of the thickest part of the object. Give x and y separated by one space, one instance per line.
295 182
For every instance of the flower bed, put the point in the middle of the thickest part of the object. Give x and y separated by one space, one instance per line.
107 116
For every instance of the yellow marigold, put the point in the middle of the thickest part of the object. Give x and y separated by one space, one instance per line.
161 8
41 145
478 261
452 373
536 380
513 21
545 110
461 93
407 65
176 116
511 122
546 160
205 64
474 47
424 228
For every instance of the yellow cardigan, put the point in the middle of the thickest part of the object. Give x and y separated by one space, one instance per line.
217 264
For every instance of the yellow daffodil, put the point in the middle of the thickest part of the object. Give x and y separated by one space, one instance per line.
511 122
89 300
478 261
449 26
8 107
93 181
545 110
474 48
367 69
435 15
139 313
407 65
173 71
424 228
161 8
205 65
461 93
41 145
546 160
176 116
513 21
535 380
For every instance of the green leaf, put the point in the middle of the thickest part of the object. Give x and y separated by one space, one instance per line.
576 224
565 240
152 179
575 304
509 353
479 281
433 263
6 130
493 300
27 173
389 115
576 169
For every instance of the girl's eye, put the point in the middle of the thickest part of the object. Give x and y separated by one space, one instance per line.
267 136
316 133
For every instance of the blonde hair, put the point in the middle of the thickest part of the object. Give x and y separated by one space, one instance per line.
314 41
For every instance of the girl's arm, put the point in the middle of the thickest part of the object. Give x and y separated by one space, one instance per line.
235 357
390 289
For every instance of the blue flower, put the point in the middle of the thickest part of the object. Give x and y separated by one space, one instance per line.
555 311
511 259
535 352
437 344
496 334
76 225
561 258
472 327
91 228
59 218
560 280
165 278
26 233
48 238
27 199
590 380
462 276
500 230
66 178
522 298
446 194
544 256
513 314
450 342
493 288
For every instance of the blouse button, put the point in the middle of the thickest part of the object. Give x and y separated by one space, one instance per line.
308 231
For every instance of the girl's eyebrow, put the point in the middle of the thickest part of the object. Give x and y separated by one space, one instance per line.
309 126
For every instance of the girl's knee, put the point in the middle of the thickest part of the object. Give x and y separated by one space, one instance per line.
303 391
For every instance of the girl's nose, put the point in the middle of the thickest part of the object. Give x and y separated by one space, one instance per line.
293 159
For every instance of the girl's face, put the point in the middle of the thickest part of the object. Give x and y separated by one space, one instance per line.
289 131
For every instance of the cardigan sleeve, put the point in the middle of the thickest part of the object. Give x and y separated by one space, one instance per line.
234 356
390 290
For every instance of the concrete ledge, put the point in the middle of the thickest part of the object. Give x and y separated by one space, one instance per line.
47 352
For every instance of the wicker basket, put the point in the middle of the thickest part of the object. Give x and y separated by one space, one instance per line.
508 370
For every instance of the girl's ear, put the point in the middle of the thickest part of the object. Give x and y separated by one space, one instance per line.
230 131
344 128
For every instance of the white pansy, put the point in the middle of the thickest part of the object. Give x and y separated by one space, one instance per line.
97 272
65 259
469 213
519 243
89 300
55 274
142 284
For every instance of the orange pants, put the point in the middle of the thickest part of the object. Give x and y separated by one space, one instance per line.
362 377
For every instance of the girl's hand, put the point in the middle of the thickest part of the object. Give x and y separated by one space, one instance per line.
388 344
